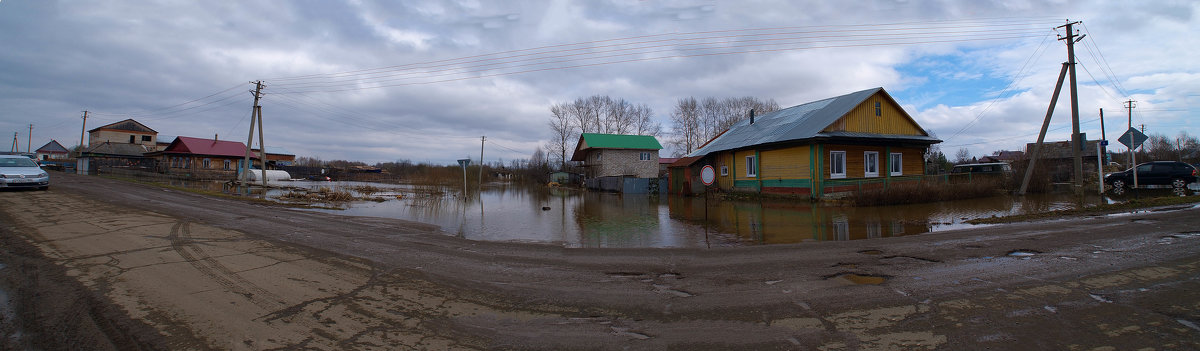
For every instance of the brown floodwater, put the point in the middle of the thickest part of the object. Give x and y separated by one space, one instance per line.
577 218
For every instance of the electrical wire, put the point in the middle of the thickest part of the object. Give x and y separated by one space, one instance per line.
533 58
164 109
1003 93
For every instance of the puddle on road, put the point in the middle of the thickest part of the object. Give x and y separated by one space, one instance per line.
1023 253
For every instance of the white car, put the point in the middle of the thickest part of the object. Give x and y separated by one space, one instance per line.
18 171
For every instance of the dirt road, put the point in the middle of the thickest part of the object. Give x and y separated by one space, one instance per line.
116 265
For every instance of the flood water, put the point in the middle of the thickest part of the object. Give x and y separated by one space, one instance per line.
577 218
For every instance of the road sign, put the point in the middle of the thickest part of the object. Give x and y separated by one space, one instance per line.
707 175
464 162
1103 143
1138 138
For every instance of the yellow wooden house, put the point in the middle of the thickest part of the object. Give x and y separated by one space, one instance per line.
835 145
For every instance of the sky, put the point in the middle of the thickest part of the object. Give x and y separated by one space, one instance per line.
384 81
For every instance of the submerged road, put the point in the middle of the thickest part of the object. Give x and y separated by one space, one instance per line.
144 267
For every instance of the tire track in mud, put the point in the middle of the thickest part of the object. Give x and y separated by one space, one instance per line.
181 242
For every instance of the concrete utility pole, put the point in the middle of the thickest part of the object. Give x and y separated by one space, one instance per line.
14 147
83 133
29 140
1077 149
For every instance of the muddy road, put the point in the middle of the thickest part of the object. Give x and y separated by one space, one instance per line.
116 265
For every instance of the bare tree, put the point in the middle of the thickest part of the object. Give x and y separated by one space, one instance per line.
962 156
697 122
564 132
603 114
686 129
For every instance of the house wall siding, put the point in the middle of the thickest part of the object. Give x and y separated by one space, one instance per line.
913 160
623 162
121 137
862 119
788 163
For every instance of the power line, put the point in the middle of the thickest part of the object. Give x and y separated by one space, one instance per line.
1016 79
161 110
953 24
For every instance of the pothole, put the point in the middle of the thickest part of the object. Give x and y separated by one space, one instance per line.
860 279
871 252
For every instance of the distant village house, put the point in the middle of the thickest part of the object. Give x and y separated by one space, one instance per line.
607 159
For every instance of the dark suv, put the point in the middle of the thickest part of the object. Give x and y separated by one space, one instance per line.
1155 174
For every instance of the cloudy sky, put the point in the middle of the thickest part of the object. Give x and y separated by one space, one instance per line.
380 81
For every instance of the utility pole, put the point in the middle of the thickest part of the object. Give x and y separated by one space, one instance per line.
481 140
1037 148
255 115
29 140
14 147
82 133
1077 150
1132 159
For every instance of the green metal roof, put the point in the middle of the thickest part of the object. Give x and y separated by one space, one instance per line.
613 141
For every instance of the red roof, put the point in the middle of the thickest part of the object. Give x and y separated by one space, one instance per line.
198 146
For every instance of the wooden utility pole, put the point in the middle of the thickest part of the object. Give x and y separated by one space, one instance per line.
14 146
255 115
82 133
1076 142
1037 148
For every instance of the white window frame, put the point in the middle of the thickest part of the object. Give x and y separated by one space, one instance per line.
207 163
870 164
751 166
227 164
644 156
724 171
840 163
599 156
896 164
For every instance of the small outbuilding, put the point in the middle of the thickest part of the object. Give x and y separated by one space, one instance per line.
615 162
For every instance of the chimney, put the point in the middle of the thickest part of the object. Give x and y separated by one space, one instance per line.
215 136
751 116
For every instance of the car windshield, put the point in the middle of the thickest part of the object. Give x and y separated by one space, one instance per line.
17 162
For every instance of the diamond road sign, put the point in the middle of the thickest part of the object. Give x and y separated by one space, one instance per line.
1138 138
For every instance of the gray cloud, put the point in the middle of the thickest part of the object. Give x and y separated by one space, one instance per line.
146 60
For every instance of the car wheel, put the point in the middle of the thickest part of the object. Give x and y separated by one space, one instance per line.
1178 183
1179 191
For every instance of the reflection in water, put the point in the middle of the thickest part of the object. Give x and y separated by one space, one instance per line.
576 218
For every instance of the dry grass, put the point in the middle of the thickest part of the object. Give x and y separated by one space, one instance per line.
367 189
323 194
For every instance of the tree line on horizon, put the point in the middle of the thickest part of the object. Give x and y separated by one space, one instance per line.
693 122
